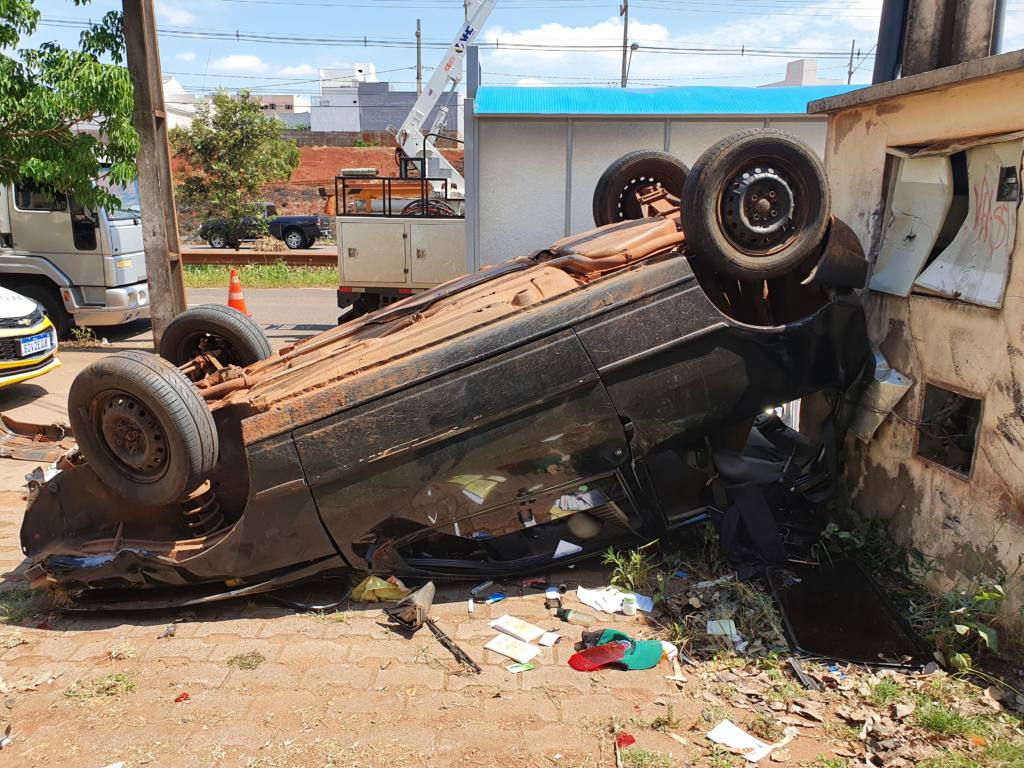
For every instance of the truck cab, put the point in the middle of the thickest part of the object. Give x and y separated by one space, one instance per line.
85 267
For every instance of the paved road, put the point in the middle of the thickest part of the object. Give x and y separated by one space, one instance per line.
286 314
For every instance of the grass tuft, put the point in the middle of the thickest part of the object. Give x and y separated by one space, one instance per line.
885 692
20 603
247 661
936 718
109 686
276 275
637 757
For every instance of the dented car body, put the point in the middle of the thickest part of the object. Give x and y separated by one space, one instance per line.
495 425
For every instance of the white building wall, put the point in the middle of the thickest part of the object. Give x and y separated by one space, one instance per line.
537 175
337 110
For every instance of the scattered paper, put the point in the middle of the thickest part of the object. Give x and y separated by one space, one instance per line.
516 650
609 599
735 738
566 548
724 628
548 639
515 669
517 628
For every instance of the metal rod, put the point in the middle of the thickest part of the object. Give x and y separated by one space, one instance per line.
419 60
624 12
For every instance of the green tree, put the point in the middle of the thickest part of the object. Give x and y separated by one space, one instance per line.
230 152
65 115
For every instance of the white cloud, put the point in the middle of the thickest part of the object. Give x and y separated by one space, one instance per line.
241 63
299 69
186 56
800 30
173 15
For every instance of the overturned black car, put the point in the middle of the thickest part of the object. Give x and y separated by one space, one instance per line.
541 410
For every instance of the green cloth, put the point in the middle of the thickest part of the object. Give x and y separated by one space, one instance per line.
640 654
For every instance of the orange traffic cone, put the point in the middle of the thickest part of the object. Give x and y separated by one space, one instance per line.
235 298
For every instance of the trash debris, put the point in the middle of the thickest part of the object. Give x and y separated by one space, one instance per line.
715 582
495 597
479 588
739 741
549 639
516 650
724 628
677 675
5 740
807 682
181 697
609 599
880 396
566 548
374 589
623 740
576 617
411 611
629 605
517 668
169 631
469 606
517 628
460 655
610 646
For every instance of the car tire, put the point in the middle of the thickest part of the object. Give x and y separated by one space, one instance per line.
218 240
143 427
214 326
615 193
52 305
756 205
294 239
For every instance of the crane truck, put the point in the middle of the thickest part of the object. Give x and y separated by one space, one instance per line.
402 234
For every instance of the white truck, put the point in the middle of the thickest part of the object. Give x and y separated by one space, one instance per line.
85 267
399 235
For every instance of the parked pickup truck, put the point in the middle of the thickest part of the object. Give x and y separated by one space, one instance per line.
295 231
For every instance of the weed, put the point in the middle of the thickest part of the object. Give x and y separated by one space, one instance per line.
247 661
20 603
275 275
949 760
108 686
10 640
784 692
632 569
636 757
936 718
122 650
1005 753
719 758
766 728
666 722
886 691
715 714
82 336
334 617
826 762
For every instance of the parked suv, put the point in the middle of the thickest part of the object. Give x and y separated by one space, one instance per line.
294 231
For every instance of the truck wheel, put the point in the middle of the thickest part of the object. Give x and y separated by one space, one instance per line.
615 193
756 204
294 239
52 305
218 240
214 328
144 428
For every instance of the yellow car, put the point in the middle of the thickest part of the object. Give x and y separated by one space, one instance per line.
28 340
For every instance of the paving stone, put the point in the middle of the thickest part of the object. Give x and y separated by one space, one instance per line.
400 677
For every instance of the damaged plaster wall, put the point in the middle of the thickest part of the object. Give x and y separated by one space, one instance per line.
971 527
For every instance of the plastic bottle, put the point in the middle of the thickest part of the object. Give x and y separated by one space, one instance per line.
575 617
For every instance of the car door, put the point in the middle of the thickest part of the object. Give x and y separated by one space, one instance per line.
461 456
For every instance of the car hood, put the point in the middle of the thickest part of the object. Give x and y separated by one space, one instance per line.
13 305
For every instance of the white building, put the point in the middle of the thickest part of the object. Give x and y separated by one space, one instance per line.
290 109
534 155
179 104
337 108
803 72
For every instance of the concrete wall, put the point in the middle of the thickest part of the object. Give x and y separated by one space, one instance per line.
537 176
380 107
972 527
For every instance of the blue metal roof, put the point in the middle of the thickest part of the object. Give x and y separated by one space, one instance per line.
684 100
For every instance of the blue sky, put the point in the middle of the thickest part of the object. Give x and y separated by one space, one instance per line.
287 61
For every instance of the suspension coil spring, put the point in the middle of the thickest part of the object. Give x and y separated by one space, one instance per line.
202 510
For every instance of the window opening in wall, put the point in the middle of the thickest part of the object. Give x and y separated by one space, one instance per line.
947 432
950 220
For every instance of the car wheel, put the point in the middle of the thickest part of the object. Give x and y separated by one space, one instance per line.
218 240
52 305
294 239
756 205
213 328
615 193
143 427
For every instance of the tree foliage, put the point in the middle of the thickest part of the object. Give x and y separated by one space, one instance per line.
230 152
65 115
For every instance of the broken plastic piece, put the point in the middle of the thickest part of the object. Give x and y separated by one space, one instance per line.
495 597
517 668
623 740
181 697
374 589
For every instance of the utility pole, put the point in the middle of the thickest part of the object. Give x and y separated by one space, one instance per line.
159 219
849 68
624 13
419 60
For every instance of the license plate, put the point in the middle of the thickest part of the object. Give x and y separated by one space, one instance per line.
34 344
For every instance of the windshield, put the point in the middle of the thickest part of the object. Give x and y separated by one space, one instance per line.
128 194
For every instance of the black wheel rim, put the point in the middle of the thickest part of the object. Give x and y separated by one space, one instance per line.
132 435
627 206
763 206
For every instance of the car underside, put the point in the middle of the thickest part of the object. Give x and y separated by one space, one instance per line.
614 386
